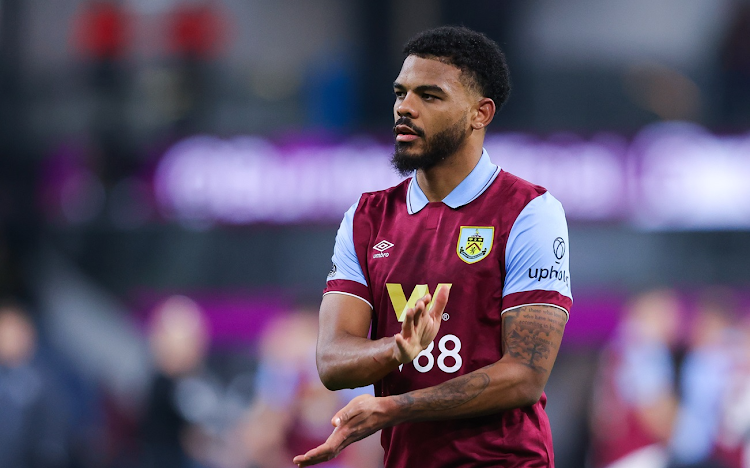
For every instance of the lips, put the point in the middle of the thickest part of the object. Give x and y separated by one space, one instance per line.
405 132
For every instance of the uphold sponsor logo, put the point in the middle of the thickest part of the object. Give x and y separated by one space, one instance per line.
381 247
544 273
558 248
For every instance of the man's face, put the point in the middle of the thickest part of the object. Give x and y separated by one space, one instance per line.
431 113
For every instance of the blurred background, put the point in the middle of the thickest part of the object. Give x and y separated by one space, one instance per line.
173 172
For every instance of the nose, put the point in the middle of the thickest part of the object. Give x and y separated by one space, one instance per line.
406 106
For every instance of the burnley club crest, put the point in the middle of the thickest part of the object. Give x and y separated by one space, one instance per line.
474 243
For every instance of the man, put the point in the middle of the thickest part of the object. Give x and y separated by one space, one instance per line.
459 382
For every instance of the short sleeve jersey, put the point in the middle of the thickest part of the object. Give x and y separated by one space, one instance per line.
500 242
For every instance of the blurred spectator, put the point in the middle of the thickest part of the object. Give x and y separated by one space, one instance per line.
10 276
197 34
292 412
734 427
34 426
634 394
102 35
69 188
179 341
735 67
704 383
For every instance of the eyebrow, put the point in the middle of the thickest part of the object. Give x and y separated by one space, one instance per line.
422 88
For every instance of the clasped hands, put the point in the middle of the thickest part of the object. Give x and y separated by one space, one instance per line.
365 414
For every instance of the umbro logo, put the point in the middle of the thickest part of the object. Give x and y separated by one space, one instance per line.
381 247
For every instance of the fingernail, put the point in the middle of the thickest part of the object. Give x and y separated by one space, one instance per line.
338 421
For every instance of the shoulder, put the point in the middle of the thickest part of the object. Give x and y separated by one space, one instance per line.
519 189
536 204
510 196
373 201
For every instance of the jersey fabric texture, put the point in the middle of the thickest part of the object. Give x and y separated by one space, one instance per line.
501 243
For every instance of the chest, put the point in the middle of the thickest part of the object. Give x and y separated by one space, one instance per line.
437 245
410 256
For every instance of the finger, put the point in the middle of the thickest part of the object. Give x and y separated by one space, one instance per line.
341 417
324 452
351 410
400 341
313 459
424 301
317 455
404 349
339 438
407 327
440 301
420 308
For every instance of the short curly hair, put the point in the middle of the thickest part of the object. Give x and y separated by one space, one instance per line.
475 54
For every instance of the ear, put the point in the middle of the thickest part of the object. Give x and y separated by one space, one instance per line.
484 112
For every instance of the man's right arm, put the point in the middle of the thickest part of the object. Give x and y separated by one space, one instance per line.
347 358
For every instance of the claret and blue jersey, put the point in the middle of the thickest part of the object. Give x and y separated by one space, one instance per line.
501 243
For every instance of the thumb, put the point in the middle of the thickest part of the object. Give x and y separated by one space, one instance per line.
407 327
341 417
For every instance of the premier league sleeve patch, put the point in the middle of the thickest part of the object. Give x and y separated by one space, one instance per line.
474 242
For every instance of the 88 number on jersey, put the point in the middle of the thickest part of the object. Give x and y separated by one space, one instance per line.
448 359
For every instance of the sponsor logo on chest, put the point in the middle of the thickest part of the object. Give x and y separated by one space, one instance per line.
401 304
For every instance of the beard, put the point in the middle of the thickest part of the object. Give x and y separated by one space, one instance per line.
437 148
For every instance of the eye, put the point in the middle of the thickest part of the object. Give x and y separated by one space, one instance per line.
399 94
429 97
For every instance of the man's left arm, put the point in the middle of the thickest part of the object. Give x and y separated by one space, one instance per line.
531 339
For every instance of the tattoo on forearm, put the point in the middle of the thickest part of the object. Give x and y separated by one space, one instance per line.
446 396
532 333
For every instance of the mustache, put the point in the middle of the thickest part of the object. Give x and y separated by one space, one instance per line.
407 121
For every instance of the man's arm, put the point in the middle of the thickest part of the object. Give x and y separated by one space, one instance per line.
346 358
531 339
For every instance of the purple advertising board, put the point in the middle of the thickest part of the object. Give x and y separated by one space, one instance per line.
669 176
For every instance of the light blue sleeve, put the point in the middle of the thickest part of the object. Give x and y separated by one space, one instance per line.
537 253
345 262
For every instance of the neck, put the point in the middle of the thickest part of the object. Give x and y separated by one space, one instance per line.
439 181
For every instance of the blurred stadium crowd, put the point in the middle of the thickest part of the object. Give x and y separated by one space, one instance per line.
132 336
669 388
191 412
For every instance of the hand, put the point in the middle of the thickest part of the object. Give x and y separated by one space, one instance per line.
421 325
363 416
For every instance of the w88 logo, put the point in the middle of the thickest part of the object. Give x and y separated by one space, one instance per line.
448 361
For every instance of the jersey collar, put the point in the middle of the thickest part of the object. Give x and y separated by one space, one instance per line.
469 189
